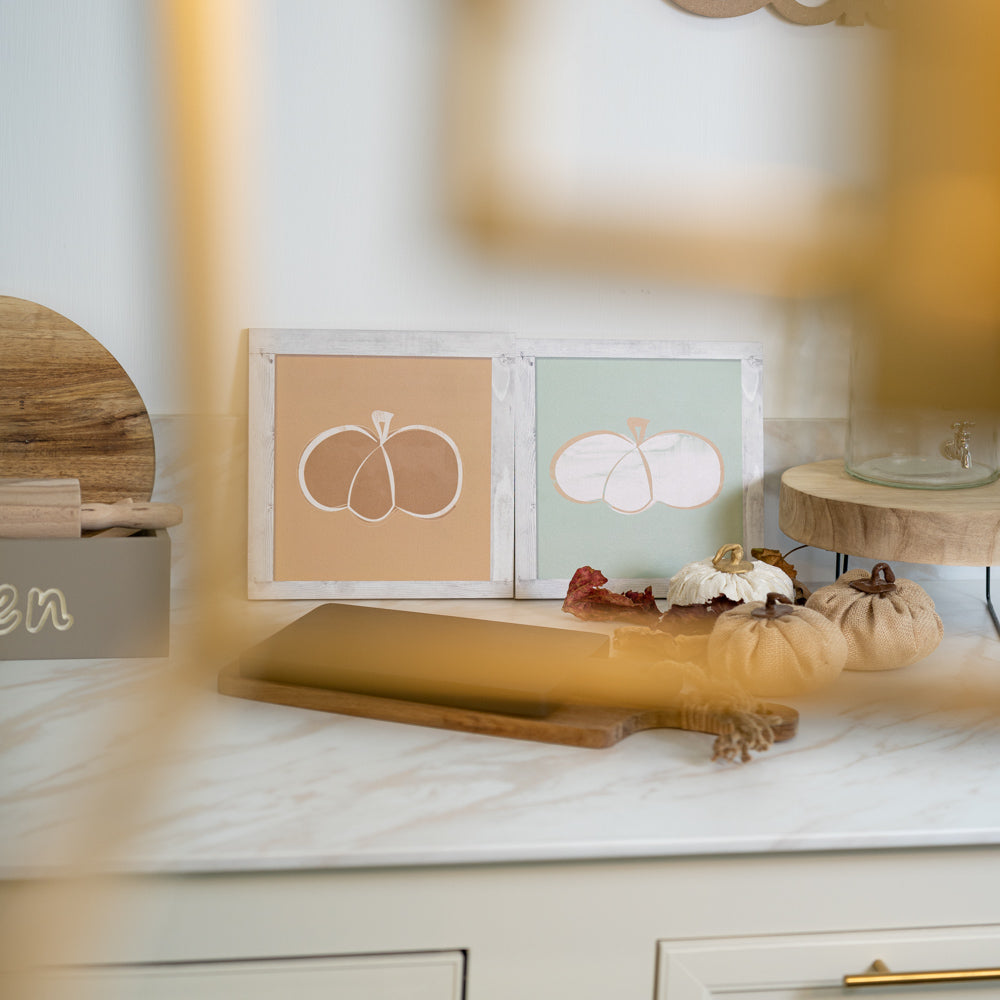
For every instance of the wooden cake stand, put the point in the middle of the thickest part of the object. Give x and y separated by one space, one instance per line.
823 506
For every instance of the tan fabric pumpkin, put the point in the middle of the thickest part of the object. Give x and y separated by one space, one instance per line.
888 622
774 648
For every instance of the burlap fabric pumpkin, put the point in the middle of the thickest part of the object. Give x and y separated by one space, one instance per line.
774 648
888 622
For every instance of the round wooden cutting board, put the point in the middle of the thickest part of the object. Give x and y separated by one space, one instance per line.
68 410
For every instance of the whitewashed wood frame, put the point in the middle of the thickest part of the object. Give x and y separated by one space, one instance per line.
528 583
265 346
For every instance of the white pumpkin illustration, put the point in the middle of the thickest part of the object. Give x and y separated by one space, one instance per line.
629 474
416 470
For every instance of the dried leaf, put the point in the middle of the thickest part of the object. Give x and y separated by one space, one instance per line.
696 619
773 558
588 599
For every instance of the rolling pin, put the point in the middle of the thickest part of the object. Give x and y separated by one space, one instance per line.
51 508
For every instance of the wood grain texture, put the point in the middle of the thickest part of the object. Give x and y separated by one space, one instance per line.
68 409
39 508
571 725
127 514
51 508
822 505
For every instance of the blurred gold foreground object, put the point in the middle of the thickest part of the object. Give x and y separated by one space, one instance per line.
934 292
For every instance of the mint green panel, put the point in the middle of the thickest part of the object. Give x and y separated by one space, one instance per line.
583 396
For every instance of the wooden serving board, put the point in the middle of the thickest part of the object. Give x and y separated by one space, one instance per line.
68 410
571 725
464 674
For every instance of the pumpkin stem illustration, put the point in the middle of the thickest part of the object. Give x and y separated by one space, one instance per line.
638 425
381 420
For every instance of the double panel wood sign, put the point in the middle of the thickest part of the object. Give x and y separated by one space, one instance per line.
384 464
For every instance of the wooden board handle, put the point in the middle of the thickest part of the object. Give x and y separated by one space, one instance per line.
593 726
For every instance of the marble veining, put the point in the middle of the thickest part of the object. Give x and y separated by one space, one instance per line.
140 765
99 770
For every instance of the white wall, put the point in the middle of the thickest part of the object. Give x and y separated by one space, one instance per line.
81 229
343 209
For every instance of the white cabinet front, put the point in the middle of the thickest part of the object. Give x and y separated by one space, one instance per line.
421 976
814 966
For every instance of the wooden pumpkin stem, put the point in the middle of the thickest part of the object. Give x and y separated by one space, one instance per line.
873 585
729 559
776 605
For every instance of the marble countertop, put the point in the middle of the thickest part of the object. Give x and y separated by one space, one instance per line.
105 764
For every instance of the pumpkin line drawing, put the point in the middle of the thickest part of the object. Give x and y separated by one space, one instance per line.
416 470
677 468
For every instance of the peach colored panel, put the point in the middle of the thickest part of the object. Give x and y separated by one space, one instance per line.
314 394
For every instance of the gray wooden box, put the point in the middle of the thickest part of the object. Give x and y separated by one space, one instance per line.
71 598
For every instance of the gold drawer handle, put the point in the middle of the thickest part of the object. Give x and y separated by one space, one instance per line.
879 975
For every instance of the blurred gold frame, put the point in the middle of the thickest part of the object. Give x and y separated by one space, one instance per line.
494 205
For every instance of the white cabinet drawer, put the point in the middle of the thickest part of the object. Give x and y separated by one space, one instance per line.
418 976
813 966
